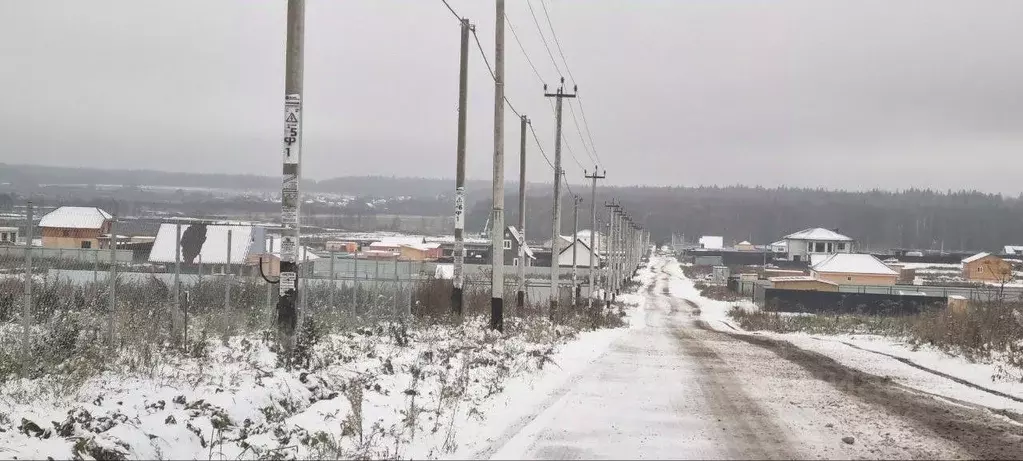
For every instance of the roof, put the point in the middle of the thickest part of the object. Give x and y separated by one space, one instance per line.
745 242
522 242
397 241
1013 249
977 256
421 246
799 278
715 242
244 240
780 243
75 217
818 233
853 263
585 245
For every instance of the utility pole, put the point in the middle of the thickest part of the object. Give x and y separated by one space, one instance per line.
459 253
575 255
593 229
497 232
556 235
26 308
609 269
287 312
520 295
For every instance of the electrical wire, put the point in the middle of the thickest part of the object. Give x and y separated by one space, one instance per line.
542 38
452 10
529 61
579 131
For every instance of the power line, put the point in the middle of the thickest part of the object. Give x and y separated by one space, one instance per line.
588 134
556 41
530 61
578 130
542 38
452 10
491 70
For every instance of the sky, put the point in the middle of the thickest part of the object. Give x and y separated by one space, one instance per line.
850 94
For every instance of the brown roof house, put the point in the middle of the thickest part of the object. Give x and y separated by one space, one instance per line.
854 269
986 267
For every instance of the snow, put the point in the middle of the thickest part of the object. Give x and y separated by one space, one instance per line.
852 263
864 352
818 234
444 271
245 240
712 242
74 217
975 257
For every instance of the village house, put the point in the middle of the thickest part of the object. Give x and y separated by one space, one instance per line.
800 245
854 269
986 267
419 251
512 242
582 254
75 227
271 257
712 242
8 235
802 282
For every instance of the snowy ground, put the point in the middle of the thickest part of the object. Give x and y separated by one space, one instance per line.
382 392
675 387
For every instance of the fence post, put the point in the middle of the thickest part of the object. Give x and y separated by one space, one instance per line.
227 277
177 274
26 313
376 282
397 286
269 287
113 281
199 267
95 269
330 295
355 285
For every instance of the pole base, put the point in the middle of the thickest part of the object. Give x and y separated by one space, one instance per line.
456 301
497 314
520 301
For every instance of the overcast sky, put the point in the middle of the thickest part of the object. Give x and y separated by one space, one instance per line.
840 94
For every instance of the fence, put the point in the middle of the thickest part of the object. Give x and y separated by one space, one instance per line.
829 302
84 255
986 293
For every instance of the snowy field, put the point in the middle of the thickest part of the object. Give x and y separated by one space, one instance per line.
388 391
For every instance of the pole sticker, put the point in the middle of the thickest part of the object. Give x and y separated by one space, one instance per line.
292 140
460 208
287 282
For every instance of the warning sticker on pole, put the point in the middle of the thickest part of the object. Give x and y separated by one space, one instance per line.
289 252
460 208
292 129
288 281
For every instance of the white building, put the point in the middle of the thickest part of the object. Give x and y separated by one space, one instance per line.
712 242
816 240
245 241
582 257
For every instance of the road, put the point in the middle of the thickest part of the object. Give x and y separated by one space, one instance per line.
677 389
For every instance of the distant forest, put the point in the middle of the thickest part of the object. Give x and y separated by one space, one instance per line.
921 219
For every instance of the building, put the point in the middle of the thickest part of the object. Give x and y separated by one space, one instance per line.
8 235
270 256
207 244
342 247
745 246
800 245
75 227
513 240
802 282
986 267
582 250
712 242
419 251
854 269
1013 250
780 247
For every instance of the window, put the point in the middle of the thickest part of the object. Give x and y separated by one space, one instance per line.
515 262
818 247
507 244
849 278
86 244
840 246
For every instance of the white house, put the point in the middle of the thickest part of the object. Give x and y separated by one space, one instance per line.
816 240
712 242
582 255
1013 250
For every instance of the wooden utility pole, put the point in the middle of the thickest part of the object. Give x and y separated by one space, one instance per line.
556 234
497 232
459 253
520 295
593 229
287 311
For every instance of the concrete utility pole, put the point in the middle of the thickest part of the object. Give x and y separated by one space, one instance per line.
287 312
26 309
575 255
497 232
520 295
593 229
609 264
459 253
556 235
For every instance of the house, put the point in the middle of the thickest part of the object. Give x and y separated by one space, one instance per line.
802 282
712 242
854 269
780 246
202 243
476 249
986 267
513 240
1013 250
582 255
745 246
802 244
270 256
342 247
8 235
75 227
419 251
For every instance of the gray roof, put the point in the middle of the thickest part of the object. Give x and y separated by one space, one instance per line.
819 234
75 217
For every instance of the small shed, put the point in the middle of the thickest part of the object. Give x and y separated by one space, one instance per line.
986 267
854 269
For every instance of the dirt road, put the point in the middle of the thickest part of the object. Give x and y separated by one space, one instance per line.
676 389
